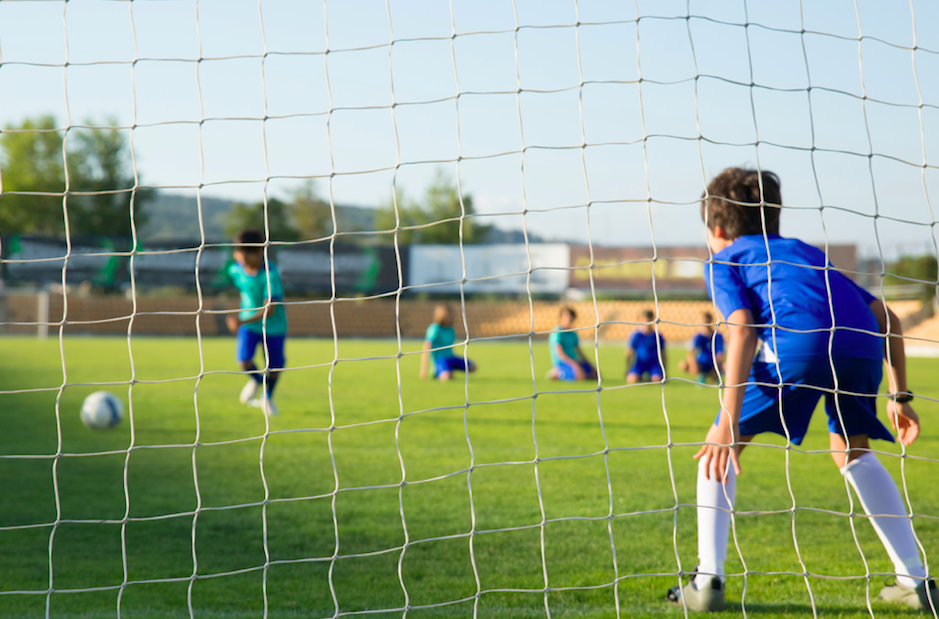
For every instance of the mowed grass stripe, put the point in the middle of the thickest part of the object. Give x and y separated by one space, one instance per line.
436 568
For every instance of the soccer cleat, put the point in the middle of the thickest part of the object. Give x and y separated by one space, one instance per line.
915 597
707 600
248 391
265 404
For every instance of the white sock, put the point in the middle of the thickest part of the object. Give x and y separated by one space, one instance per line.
713 524
879 495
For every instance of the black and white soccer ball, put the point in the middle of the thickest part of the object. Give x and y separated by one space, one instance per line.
102 410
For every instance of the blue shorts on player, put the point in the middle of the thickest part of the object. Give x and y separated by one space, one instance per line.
804 383
650 367
565 371
248 342
448 364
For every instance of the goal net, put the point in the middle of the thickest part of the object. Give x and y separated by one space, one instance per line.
502 159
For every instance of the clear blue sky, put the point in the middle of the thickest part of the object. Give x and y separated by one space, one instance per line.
167 92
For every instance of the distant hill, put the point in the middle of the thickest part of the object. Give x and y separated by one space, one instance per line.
176 216
173 216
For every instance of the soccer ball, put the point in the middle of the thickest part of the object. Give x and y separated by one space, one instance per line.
102 410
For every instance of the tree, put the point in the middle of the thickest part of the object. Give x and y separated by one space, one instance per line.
311 214
279 219
908 268
33 160
99 164
439 216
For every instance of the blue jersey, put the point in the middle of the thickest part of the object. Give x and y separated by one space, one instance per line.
254 294
702 345
793 289
440 337
567 340
644 345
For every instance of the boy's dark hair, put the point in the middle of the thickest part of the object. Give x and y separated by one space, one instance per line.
649 315
566 309
708 317
249 237
733 202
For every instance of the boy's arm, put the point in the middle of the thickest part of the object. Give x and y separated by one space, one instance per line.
902 416
740 350
234 320
574 363
425 358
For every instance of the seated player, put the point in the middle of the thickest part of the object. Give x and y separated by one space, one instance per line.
568 362
811 330
438 345
642 356
262 319
701 361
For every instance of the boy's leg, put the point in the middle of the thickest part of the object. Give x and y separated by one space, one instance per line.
715 501
246 344
879 496
275 361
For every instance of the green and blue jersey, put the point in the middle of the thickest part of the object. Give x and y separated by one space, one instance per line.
441 339
567 340
254 294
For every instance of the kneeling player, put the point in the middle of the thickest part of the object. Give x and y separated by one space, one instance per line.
817 333
438 345
568 362
260 320
642 356
706 352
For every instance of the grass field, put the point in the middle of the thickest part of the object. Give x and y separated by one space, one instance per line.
129 529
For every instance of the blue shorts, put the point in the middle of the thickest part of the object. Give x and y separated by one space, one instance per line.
800 394
652 368
248 342
565 371
448 364
705 363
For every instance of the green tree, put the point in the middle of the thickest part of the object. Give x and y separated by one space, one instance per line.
311 215
31 160
923 268
99 175
100 171
438 215
279 219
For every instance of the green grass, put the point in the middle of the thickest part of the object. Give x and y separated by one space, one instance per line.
435 443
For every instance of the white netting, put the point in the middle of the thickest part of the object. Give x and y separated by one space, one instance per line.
623 114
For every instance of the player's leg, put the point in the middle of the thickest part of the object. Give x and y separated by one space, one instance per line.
856 417
442 369
246 343
656 373
635 373
759 414
590 372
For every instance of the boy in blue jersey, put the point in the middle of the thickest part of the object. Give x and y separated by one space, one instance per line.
642 355
438 346
705 352
798 331
567 360
262 319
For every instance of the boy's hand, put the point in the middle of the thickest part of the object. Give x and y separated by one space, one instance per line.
233 323
578 371
904 420
716 457
423 374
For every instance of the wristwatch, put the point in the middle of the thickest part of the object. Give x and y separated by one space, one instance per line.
903 397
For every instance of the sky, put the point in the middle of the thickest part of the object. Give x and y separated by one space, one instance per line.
602 121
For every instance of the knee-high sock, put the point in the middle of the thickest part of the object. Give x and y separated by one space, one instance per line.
879 495
713 523
256 376
272 382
